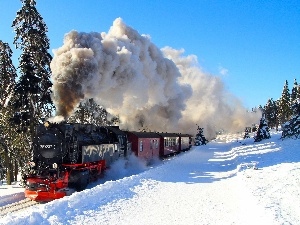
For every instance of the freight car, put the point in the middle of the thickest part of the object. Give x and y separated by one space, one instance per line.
69 156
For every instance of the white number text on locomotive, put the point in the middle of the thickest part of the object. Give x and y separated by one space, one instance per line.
47 146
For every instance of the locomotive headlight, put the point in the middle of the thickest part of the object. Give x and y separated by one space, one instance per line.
46 124
54 165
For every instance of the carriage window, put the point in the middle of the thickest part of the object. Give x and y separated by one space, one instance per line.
141 146
111 150
156 144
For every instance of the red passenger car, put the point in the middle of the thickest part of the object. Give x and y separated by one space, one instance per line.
185 142
169 144
145 145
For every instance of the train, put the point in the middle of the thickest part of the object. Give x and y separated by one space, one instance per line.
68 156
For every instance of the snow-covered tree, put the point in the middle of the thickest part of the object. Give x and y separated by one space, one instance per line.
263 131
89 112
11 143
247 131
291 129
33 92
295 92
200 138
7 74
284 105
7 84
271 113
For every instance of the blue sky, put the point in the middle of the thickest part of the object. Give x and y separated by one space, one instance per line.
254 46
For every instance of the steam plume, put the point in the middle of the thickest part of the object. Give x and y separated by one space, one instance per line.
147 87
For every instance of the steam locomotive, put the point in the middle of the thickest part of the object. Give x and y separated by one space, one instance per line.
69 156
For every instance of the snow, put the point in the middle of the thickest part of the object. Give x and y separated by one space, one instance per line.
10 193
223 182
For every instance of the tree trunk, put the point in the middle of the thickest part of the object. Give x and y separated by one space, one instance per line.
16 170
7 162
11 172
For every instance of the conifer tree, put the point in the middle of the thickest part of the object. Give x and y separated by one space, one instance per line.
284 105
89 112
7 74
10 142
298 92
247 131
200 138
7 84
291 129
295 92
271 113
263 131
33 92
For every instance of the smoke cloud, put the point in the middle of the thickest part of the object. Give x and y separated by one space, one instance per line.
148 87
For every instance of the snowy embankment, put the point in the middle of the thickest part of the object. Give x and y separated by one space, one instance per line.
212 184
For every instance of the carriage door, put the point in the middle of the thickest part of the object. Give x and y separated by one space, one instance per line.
151 148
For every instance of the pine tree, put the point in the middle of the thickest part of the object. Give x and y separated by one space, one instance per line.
298 92
284 105
200 138
7 82
247 131
10 141
33 87
7 74
263 131
271 113
295 92
89 112
291 129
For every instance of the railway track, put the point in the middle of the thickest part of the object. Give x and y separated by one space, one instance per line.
16 206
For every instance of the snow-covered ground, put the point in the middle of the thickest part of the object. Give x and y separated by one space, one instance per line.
212 184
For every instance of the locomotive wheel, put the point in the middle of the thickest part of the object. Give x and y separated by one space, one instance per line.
79 179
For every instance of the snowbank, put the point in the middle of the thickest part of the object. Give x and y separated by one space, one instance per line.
212 184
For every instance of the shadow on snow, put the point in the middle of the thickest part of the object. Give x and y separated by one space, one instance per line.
217 161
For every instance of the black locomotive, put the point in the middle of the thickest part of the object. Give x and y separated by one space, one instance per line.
70 156
77 143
